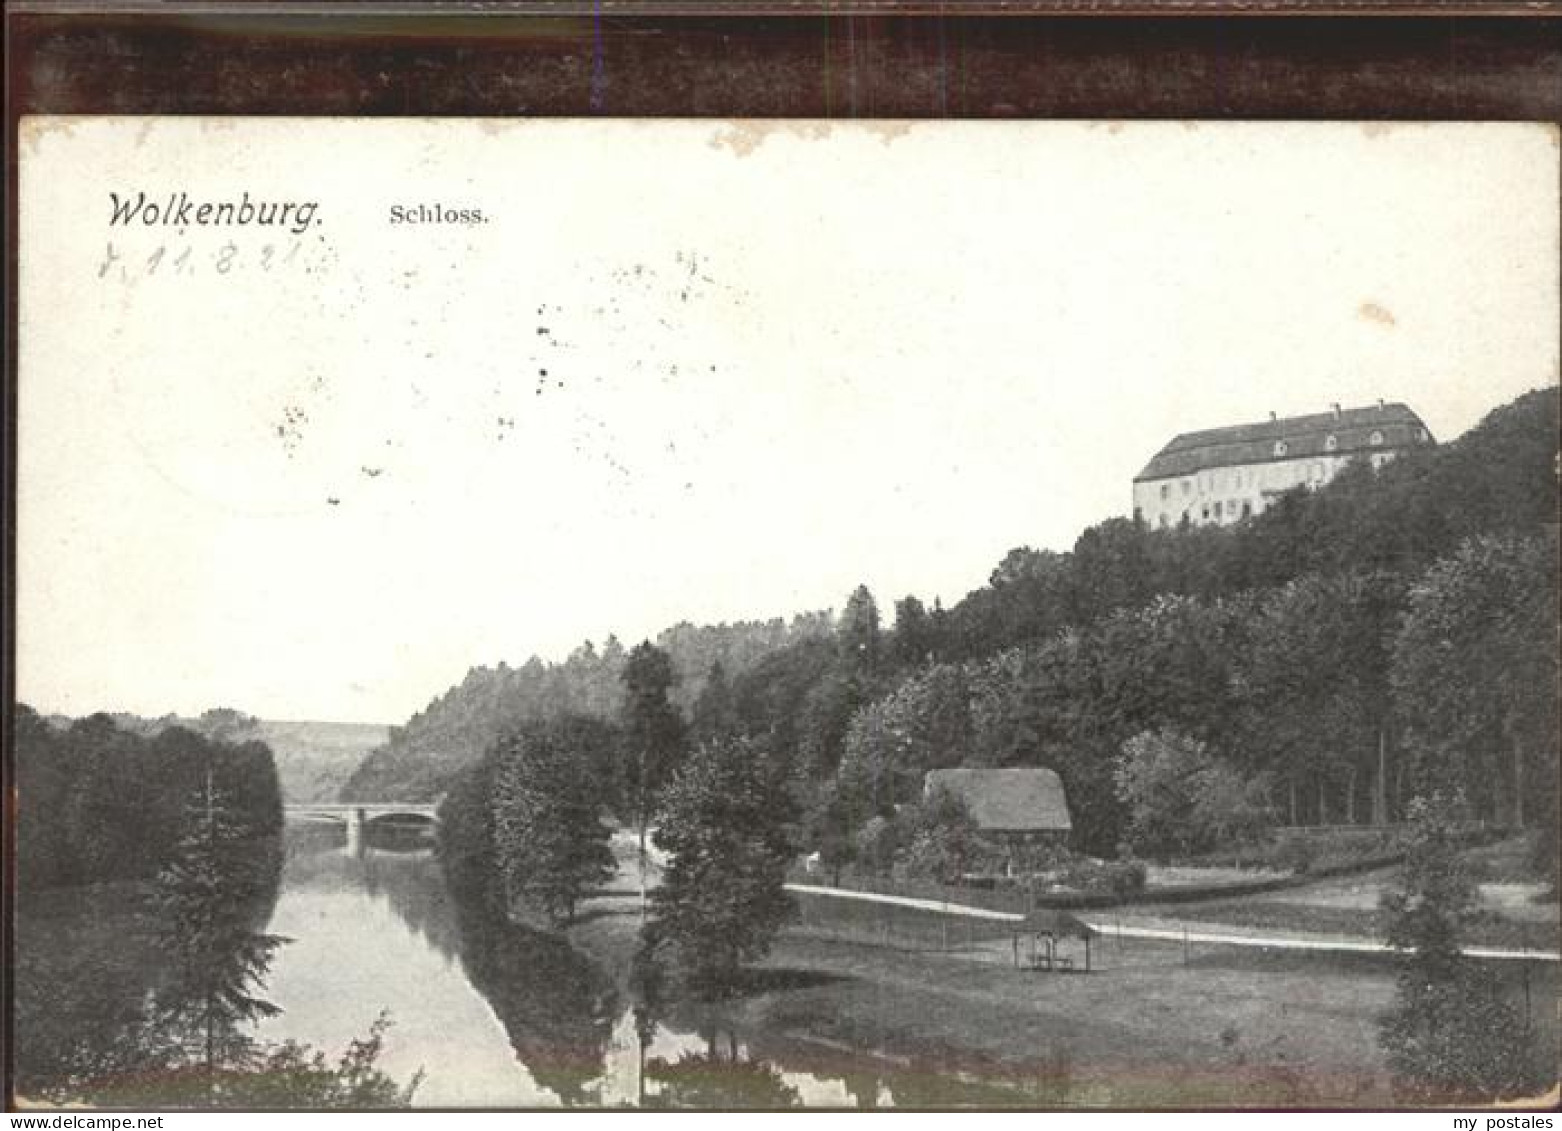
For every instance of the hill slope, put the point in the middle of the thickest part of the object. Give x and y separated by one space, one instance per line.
419 759
314 759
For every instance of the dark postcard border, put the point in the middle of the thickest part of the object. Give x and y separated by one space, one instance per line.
1362 59
806 65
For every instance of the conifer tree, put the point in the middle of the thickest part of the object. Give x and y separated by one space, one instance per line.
653 734
1450 1037
218 959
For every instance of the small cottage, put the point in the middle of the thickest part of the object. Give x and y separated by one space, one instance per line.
1012 807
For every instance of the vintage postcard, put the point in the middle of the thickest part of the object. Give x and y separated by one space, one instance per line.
717 614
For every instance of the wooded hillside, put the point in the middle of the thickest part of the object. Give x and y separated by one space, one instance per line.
1331 652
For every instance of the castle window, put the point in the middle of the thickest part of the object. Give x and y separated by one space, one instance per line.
1331 442
1165 490
1376 439
1247 509
1420 433
1217 508
1280 448
1164 522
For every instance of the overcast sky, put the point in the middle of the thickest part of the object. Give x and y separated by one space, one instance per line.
686 370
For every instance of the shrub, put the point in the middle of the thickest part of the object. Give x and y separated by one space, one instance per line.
936 839
1295 854
874 845
1102 877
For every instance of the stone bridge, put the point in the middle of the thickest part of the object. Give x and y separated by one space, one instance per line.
358 816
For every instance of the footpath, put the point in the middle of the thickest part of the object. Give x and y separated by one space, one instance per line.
1138 926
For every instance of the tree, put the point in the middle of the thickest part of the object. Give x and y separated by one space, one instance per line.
548 833
1450 1038
1111 569
709 1081
913 641
715 711
1181 798
1475 674
923 723
653 729
723 824
828 825
769 698
296 1075
1044 705
653 734
289 1074
1028 597
823 718
938 838
1312 686
859 636
467 852
227 724
218 960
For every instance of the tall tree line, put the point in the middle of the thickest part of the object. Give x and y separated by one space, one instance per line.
453 732
100 802
1303 644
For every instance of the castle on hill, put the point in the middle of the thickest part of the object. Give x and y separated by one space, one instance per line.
1223 475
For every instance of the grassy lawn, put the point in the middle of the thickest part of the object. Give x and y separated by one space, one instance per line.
892 925
923 1010
1228 1029
1507 915
1220 1026
1487 929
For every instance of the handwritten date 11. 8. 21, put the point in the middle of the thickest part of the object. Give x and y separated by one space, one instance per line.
129 262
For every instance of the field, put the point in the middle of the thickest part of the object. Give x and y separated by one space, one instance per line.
931 1011
1153 1025
1227 1029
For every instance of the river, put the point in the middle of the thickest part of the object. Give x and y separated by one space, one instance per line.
487 1014
492 1015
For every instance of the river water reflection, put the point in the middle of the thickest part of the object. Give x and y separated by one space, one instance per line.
493 1015
487 1013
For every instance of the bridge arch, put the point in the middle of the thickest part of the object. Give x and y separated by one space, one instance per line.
401 818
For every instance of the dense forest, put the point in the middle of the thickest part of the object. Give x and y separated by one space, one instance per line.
1319 663
452 732
314 759
103 802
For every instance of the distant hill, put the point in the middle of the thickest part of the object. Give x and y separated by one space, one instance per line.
420 758
313 758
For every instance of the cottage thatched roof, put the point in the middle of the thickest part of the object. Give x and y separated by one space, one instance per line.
1303 436
1028 799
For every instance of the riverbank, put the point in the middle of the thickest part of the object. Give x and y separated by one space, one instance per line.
607 925
1154 1025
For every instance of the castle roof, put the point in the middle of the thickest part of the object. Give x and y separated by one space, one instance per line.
1026 799
1304 437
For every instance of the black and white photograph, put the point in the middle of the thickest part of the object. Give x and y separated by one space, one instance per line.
785 614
